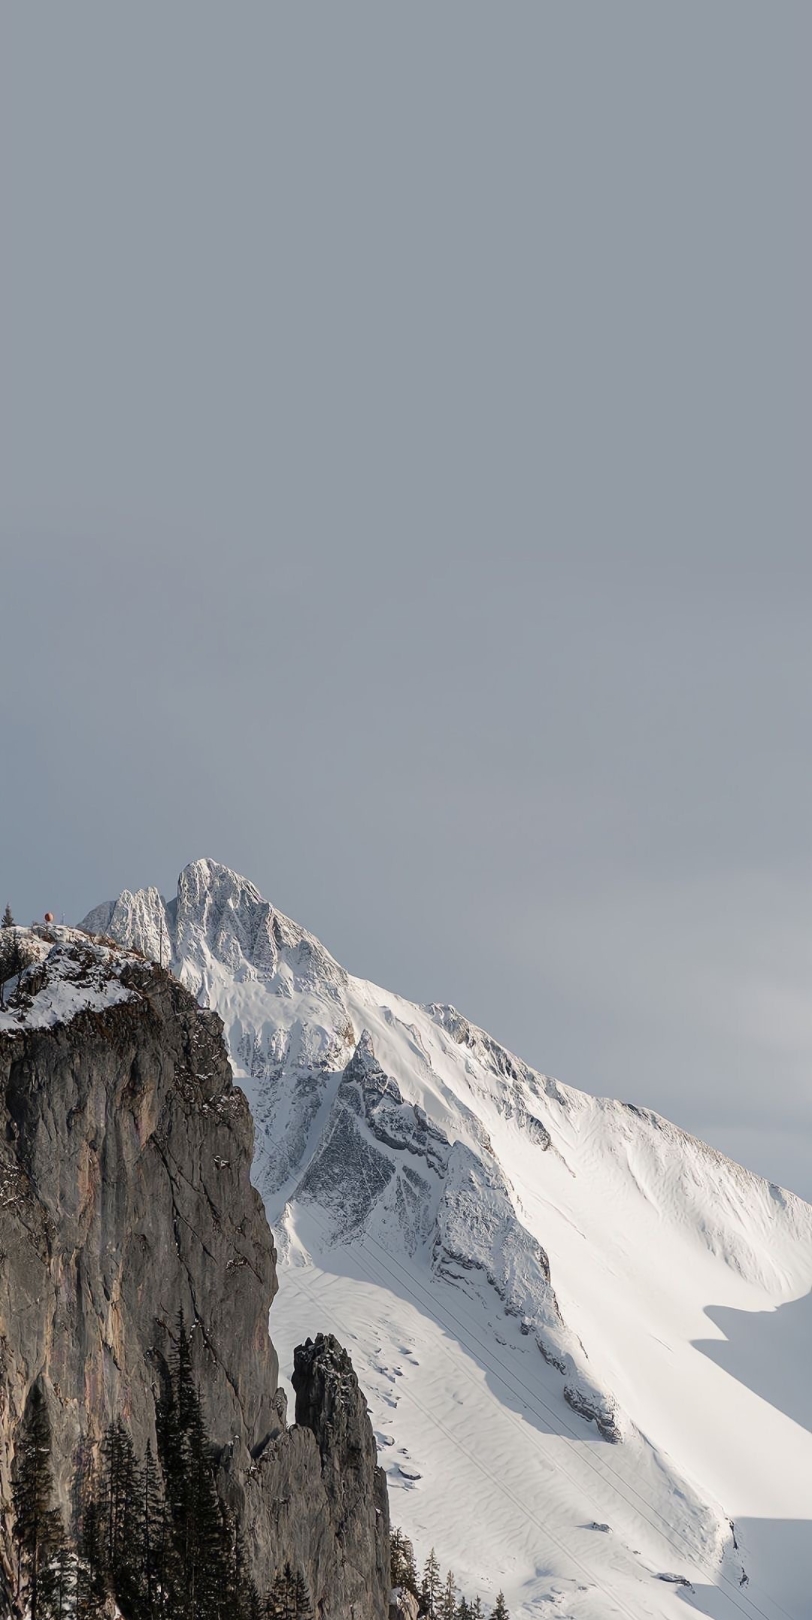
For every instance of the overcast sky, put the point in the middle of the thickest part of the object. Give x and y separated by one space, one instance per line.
405 499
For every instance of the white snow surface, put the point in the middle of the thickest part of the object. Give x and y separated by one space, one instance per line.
584 1335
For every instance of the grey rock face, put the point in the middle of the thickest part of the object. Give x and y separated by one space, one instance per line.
125 1197
600 1412
403 1605
358 1163
328 1405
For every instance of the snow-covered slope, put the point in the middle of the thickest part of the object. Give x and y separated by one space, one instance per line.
65 974
583 1333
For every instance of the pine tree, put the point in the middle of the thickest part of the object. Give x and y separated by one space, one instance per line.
464 1611
91 1581
152 1538
401 1559
61 1583
289 1598
243 1598
270 1606
37 1527
431 1587
477 1611
199 1532
410 1580
281 1604
500 1608
208 1564
119 1491
256 1609
304 1607
447 1608
8 920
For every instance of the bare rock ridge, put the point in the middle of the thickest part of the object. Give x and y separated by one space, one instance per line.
125 1198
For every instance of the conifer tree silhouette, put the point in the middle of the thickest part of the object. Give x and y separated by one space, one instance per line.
447 1607
199 1532
37 1526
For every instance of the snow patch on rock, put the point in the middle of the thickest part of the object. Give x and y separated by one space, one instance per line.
71 976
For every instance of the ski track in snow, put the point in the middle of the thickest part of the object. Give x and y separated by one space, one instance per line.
419 1178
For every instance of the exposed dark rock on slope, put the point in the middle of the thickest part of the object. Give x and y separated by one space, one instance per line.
125 1197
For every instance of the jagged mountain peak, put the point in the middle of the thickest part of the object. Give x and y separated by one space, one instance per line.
216 920
558 1254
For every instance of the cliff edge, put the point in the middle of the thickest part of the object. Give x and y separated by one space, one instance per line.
126 1203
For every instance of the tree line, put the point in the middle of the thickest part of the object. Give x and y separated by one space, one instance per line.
154 1536
437 1599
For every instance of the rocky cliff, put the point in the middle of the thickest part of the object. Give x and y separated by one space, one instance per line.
125 1199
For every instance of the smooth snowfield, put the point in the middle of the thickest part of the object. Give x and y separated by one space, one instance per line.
420 1179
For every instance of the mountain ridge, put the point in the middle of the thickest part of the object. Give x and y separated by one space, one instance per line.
404 1139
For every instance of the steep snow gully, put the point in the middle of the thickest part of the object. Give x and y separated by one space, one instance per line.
584 1334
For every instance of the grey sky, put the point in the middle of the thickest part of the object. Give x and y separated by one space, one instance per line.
403 499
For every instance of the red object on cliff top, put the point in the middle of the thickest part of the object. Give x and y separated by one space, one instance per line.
49 916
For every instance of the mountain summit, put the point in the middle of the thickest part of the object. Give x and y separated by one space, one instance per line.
581 1330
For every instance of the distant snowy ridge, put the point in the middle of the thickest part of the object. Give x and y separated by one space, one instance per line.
558 1251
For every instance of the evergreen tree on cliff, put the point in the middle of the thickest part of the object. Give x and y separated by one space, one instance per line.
62 1583
500 1608
431 1587
152 1542
119 1502
304 1607
8 920
403 1567
289 1598
447 1607
37 1526
91 1582
199 1533
242 1596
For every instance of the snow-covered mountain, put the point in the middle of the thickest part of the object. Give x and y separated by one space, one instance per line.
584 1335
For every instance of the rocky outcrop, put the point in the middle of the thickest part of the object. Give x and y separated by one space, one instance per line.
329 1405
403 1605
125 1199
